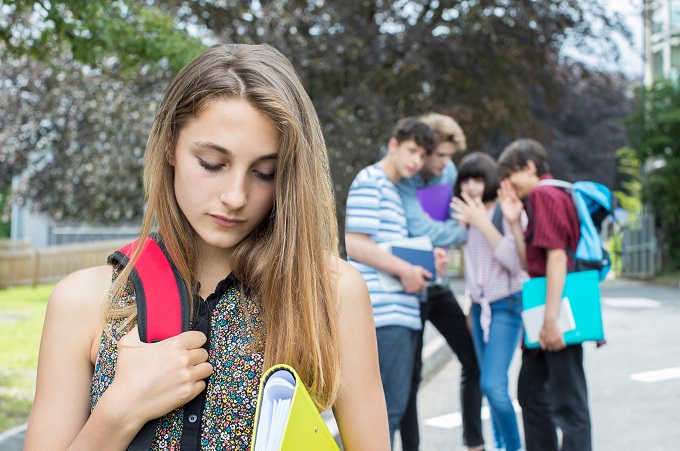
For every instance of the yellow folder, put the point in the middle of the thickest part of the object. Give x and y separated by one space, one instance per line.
286 418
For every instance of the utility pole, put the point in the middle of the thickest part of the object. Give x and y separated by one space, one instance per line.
648 63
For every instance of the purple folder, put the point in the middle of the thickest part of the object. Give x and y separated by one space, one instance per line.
435 200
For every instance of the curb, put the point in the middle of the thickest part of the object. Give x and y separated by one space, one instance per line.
13 439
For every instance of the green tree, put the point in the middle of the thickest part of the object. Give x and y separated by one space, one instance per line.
629 197
654 131
81 81
77 140
99 33
496 66
4 212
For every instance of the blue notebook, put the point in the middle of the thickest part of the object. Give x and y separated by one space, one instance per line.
417 257
583 291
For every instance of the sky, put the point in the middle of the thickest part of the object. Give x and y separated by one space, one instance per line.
631 62
631 57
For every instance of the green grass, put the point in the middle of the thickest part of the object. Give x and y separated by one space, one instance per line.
22 312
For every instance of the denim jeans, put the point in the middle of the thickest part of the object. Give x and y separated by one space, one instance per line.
396 355
495 357
443 310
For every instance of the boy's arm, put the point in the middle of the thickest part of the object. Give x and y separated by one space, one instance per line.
362 248
550 337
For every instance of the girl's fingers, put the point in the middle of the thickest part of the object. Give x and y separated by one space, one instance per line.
202 371
198 356
192 339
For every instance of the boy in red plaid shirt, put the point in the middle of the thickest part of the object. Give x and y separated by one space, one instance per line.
552 389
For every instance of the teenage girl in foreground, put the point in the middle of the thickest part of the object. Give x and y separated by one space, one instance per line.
238 186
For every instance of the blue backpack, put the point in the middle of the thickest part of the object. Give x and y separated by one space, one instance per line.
593 203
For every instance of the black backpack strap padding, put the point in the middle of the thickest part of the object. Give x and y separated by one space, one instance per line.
497 219
162 297
157 272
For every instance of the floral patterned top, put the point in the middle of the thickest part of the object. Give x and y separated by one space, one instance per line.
236 353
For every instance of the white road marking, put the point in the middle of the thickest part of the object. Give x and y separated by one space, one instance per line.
455 419
631 303
657 376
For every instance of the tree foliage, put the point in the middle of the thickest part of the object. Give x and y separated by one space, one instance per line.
80 84
654 131
78 144
494 65
99 33
629 197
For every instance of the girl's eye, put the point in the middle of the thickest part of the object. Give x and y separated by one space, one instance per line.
265 177
209 167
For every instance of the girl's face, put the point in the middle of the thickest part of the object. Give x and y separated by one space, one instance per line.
225 162
473 187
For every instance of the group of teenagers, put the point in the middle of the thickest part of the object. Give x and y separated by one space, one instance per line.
511 228
240 197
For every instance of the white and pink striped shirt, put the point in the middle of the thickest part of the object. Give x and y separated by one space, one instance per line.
492 274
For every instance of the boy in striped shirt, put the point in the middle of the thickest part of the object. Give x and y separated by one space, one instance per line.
375 214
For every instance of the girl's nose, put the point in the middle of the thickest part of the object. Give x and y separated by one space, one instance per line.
234 194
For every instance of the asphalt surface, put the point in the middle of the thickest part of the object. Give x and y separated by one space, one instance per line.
633 380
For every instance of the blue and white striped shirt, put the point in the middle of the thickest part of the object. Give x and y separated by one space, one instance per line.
374 208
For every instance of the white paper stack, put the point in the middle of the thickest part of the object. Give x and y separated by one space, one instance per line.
533 319
277 398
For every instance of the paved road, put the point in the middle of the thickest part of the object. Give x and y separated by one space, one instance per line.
634 380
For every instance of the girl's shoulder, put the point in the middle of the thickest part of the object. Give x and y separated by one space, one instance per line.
351 284
81 288
81 296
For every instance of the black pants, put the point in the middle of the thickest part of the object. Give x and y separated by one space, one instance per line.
552 392
444 312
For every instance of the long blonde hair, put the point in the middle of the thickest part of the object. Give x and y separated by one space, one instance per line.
289 262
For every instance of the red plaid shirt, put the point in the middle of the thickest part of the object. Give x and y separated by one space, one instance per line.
553 224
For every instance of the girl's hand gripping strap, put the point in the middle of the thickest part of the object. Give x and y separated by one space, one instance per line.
162 305
162 296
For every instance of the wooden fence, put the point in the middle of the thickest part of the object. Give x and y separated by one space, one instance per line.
22 265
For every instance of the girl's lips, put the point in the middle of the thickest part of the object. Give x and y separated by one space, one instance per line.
226 222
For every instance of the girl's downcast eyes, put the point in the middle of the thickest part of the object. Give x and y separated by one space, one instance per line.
209 167
216 167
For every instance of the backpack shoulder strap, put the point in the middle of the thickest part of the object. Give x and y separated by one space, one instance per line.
568 187
162 305
497 219
162 296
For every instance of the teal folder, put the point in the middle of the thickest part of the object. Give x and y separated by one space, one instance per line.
583 290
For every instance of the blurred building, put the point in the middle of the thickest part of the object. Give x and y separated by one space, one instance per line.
40 231
662 40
